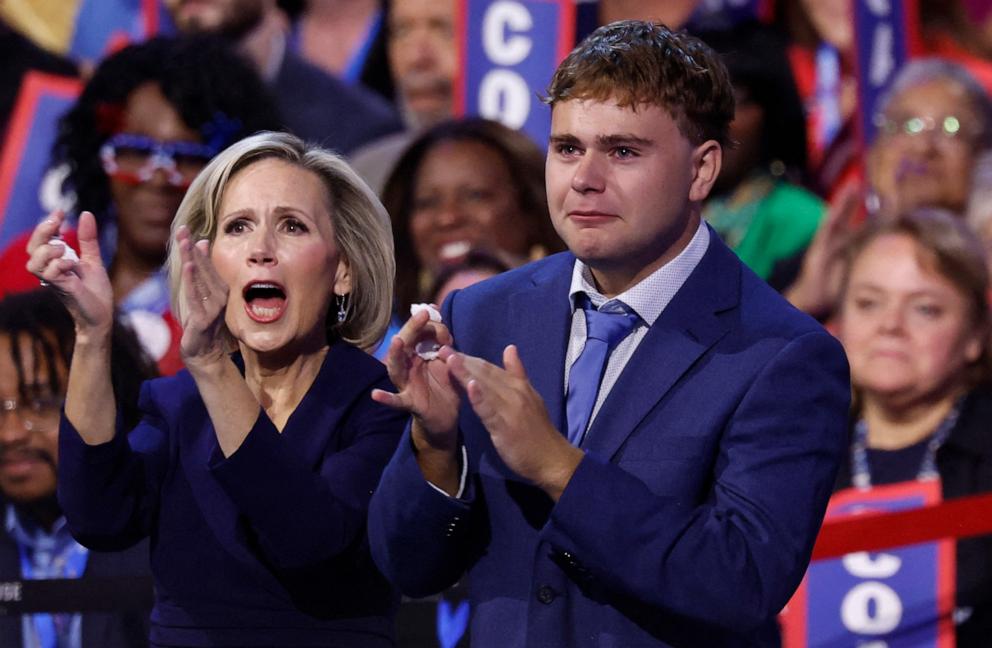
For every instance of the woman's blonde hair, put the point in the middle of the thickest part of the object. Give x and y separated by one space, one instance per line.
361 227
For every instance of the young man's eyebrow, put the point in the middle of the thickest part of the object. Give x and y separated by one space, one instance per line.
604 141
623 139
564 138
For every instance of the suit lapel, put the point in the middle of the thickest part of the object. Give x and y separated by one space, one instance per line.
542 314
316 419
686 329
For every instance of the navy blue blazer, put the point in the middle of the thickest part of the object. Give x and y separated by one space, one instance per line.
264 548
691 519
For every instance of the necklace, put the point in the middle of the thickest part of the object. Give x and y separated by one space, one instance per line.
861 470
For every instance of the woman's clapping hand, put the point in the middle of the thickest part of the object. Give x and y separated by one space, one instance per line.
83 284
204 300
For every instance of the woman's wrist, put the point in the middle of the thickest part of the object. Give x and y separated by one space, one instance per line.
209 364
92 338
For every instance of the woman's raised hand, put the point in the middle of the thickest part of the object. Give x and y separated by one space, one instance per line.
82 284
204 301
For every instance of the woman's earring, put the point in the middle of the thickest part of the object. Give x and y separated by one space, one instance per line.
344 305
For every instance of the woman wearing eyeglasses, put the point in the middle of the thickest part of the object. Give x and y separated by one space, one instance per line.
252 470
146 123
934 124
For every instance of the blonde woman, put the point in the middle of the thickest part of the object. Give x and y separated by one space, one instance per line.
251 470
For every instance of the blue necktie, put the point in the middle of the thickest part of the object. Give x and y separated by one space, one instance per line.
603 332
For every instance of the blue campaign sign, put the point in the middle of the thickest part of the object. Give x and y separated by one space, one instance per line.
509 49
887 35
104 26
899 598
42 100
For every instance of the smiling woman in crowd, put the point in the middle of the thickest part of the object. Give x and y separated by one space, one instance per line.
251 471
466 185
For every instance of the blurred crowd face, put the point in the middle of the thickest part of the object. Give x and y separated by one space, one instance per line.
908 330
233 18
924 152
28 430
673 13
832 20
423 58
464 199
145 208
275 249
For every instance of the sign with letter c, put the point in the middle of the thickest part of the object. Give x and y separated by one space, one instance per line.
509 50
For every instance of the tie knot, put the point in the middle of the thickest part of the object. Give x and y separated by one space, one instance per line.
610 327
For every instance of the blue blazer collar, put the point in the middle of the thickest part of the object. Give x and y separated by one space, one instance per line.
697 317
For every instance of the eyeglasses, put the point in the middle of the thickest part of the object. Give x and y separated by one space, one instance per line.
948 126
136 158
38 415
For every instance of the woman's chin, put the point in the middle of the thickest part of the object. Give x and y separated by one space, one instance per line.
264 342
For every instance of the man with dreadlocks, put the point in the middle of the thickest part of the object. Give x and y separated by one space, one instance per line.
36 341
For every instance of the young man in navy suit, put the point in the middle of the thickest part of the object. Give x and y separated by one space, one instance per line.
631 443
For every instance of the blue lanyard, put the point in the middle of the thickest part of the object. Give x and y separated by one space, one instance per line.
827 94
69 563
861 470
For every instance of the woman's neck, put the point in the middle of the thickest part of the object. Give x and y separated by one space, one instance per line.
279 385
892 426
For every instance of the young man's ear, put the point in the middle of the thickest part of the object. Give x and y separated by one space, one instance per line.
707 159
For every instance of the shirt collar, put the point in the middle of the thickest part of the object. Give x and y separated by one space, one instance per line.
648 297
27 533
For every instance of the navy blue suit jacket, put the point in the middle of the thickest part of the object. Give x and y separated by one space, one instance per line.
264 548
690 520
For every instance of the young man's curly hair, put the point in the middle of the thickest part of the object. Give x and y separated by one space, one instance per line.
634 63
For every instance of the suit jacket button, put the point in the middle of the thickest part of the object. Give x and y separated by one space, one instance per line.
545 594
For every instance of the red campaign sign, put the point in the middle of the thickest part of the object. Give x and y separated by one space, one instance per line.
43 98
900 597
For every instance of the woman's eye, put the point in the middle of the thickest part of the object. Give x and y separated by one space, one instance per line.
424 203
929 310
476 195
294 226
863 303
236 226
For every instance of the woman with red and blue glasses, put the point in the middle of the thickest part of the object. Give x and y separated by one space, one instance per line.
146 123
